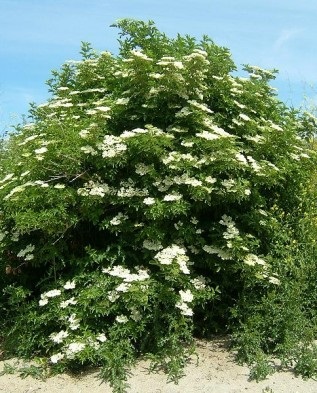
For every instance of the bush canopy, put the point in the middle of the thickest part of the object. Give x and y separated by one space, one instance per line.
156 197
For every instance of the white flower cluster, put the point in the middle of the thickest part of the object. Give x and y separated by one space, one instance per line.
200 106
152 245
57 292
199 282
149 201
169 61
87 149
207 135
26 253
59 186
172 197
41 150
68 302
224 255
41 183
171 254
92 188
117 220
122 318
208 123
140 55
254 165
274 280
229 185
71 349
185 179
58 337
73 322
7 177
29 139
163 184
126 275
256 138
45 296
197 54
142 169
74 348
60 103
112 146
101 337
252 260
244 117
241 159
175 157
122 101
133 133
128 190
18 189
184 112
57 357
231 231
186 297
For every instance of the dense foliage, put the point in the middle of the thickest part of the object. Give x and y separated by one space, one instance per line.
157 197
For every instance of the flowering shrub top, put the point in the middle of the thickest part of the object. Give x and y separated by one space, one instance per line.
146 187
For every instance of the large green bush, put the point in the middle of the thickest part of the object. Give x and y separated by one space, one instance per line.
156 197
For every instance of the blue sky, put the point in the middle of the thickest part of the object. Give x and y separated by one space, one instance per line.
37 36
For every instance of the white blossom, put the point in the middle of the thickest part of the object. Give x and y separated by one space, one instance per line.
149 201
84 134
113 296
74 348
274 280
152 245
185 309
103 108
70 285
186 296
199 282
41 150
43 302
88 150
244 117
57 357
28 249
59 186
224 255
7 177
117 220
207 135
172 197
252 260
142 169
122 101
58 337
136 315
126 275
241 158
122 319
255 166
68 302
101 337
74 322
171 254
123 287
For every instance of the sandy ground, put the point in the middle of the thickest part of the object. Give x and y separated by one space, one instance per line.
216 373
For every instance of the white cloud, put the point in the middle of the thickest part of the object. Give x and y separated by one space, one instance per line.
284 37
